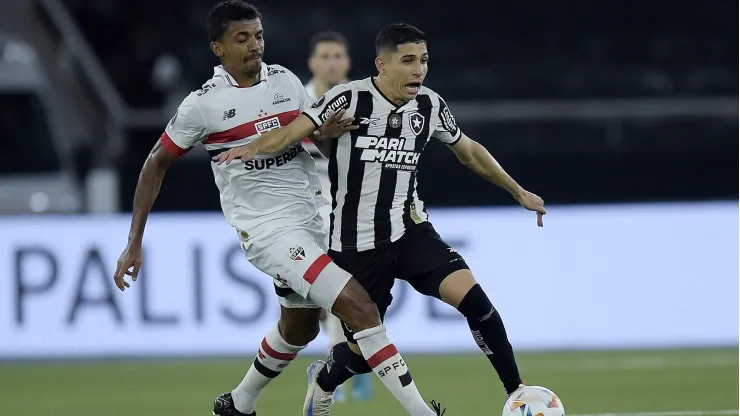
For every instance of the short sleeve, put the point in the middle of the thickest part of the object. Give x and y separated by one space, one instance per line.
304 98
186 129
337 98
446 129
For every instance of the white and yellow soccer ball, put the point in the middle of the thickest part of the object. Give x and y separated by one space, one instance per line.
533 401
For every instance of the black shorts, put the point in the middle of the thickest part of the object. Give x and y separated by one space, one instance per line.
420 257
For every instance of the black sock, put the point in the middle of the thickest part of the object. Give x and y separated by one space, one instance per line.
341 365
489 333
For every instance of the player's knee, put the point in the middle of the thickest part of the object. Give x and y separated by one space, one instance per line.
476 305
299 329
456 286
300 335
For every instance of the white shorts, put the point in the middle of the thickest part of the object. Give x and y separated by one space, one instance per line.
303 274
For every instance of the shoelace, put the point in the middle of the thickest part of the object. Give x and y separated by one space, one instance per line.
323 405
438 408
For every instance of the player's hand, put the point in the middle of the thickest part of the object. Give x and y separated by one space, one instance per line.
243 152
130 258
532 202
335 126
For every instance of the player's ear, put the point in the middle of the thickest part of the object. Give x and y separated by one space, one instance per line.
379 64
216 49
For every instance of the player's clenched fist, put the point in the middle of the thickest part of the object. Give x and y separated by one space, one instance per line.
534 203
130 258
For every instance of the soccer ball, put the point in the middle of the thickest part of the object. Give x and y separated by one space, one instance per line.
533 401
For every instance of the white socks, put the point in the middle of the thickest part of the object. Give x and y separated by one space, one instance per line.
389 366
273 356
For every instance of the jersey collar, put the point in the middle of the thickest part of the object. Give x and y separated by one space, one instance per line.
220 72
380 96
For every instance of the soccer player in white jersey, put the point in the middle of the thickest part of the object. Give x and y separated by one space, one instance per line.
379 225
329 64
272 204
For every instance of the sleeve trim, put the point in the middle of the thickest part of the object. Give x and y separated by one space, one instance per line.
313 120
171 146
456 138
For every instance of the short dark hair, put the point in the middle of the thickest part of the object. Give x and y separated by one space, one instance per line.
226 12
397 34
328 36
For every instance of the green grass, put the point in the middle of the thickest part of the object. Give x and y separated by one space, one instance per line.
588 382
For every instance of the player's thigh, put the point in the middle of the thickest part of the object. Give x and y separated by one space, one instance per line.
287 257
307 269
426 261
373 270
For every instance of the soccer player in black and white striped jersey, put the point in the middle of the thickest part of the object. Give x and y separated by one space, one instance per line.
380 228
329 64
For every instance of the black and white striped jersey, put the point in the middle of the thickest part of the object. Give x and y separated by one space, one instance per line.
373 169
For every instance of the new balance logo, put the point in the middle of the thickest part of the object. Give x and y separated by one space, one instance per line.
229 114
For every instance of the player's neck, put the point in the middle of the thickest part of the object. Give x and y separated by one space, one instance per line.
243 80
388 91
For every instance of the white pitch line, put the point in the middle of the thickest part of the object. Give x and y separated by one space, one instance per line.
675 413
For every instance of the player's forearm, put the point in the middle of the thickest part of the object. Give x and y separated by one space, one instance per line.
147 189
271 142
487 167
276 140
323 146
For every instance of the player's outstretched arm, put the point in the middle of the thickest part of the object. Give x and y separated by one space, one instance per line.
147 189
276 140
478 159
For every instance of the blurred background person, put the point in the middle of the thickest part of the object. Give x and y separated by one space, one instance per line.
329 64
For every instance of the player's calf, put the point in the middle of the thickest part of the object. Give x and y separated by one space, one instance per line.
353 305
461 290
277 350
342 364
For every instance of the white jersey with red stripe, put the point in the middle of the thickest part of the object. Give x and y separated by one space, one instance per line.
272 192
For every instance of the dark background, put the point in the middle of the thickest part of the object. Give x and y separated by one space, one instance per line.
537 51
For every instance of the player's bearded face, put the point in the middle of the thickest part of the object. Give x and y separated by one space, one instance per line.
243 46
407 68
